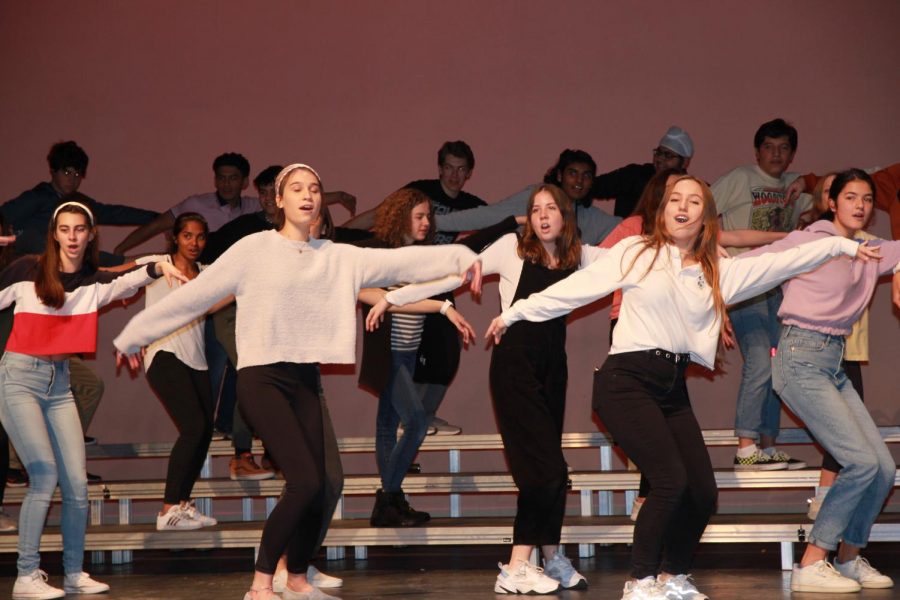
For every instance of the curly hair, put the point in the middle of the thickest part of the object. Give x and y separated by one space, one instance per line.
392 217
568 244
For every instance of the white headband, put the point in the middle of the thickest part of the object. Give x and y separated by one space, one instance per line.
79 205
290 169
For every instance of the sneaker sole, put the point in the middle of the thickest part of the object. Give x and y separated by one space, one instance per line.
259 477
37 597
581 585
769 467
326 582
796 466
190 527
815 589
86 591
499 589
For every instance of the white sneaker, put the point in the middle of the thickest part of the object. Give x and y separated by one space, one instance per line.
442 427
190 509
635 510
320 579
861 571
680 587
560 568
647 588
314 576
34 586
821 577
524 578
81 583
176 519
279 581
815 503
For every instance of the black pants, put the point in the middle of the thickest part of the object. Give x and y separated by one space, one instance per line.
853 369
643 400
528 385
281 403
187 397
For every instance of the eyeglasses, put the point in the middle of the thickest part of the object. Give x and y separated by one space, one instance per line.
69 172
665 154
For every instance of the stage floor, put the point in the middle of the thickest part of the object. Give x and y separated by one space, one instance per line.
723 571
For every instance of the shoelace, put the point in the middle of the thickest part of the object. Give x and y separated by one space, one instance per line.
864 567
827 569
42 575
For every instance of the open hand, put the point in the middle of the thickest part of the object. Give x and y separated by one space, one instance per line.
865 252
495 330
376 314
170 272
462 326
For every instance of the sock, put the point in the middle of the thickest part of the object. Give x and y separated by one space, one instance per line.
770 452
747 451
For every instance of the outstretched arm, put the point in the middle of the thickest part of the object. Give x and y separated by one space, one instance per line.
163 222
762 269
375 298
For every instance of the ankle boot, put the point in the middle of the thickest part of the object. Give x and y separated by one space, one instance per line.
413 516
381 502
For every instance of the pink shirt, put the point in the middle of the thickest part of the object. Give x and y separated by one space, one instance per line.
831 298
215 213
630 226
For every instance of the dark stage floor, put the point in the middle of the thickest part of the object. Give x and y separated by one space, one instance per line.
725 572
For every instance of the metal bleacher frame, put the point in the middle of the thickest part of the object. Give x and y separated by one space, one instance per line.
590 528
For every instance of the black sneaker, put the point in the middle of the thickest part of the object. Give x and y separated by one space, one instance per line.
92 478
16 478
758 461
90 441
792 463
414 468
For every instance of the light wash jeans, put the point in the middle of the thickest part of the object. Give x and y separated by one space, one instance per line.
399 402
38 411
756 326
807 374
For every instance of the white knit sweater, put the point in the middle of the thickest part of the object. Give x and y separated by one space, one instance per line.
296 301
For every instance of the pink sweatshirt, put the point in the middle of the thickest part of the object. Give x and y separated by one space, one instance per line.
831 298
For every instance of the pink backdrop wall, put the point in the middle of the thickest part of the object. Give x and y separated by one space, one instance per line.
367 91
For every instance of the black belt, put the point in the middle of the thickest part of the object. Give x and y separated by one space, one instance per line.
672 357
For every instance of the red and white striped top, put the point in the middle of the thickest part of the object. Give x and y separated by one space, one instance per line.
39 329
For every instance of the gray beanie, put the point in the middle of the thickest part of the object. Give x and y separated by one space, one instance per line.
678 141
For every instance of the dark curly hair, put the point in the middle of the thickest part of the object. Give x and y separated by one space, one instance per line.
392 217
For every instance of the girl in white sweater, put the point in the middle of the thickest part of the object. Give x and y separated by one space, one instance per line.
295 313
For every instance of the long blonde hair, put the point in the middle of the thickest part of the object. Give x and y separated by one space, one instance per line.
704 249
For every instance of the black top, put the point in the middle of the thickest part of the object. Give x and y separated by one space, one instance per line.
625 185
443 204
547 334
437 358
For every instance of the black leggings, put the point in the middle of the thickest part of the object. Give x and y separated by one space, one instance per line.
186 395
281 403
853 369
642 398
528 385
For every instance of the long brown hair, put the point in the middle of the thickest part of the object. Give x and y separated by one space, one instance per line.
568 244
47 284
704 248
392 218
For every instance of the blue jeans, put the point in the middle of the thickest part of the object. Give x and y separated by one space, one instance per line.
756 326
807 374
38 412
399 402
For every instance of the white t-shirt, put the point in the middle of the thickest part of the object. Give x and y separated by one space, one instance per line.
186 342
215 213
